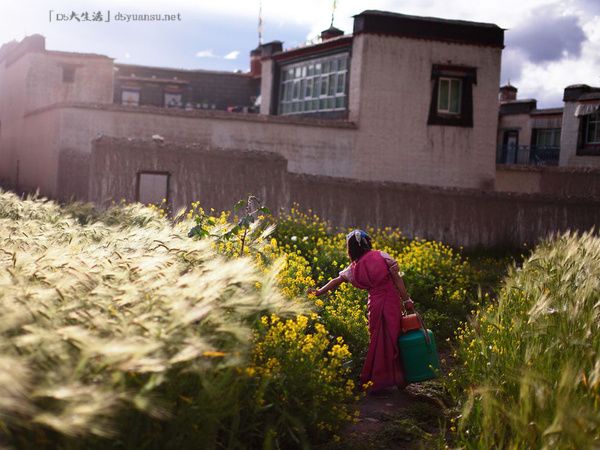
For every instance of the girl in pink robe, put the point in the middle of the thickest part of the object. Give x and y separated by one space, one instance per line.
377 273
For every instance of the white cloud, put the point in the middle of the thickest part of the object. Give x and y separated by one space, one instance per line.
206 54
545 80
232 55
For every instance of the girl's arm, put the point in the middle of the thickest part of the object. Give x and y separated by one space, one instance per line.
408 303
330 286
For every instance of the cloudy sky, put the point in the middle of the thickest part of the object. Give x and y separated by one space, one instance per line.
549 43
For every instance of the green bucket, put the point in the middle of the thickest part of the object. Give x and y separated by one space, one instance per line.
419 357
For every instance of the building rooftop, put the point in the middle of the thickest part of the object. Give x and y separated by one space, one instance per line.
176 69
334 42
524 106
547 111
431 28
576 92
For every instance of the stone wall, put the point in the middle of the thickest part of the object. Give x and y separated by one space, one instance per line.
581 182
218 178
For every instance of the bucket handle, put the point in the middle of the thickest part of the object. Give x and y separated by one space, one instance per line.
423 327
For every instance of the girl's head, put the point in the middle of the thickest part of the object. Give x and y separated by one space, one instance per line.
358 243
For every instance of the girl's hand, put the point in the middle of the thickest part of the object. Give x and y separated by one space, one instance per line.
409 305
312 291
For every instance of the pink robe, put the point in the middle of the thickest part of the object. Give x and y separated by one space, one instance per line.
372 272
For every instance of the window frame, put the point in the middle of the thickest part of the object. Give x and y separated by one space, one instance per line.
131 90
592 118
68 73
585 147
448 110
467 76
552 133
318 84
179 104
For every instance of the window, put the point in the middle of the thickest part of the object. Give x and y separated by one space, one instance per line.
449 92
588 142
547 137
130 97
68 74
452 95
152 187
592 129
173 100
314 85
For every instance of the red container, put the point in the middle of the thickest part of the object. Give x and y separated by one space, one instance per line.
410 322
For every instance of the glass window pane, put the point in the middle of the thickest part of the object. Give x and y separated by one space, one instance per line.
323 85
341 83
322 103
334 65
288 91
309 84
556 140
443 102
318 69
297 72
332 84
325 67
296 90
304 71
330 103
594 128
342 64
339 102
455 96
317 87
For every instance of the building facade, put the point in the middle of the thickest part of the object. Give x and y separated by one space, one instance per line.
401 99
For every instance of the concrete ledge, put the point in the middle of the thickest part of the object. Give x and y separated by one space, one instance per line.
199 114
549 169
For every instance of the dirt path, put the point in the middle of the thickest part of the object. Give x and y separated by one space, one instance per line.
413 418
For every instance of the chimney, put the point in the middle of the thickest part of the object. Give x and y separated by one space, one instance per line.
507 93
270 48
330 33
255 64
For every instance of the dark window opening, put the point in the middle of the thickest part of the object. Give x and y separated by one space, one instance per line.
68 74
452 95
589 135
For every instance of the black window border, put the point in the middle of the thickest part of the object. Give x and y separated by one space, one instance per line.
468 76
584 148
68 73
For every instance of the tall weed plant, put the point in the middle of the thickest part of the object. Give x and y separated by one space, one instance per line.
530 365
120 327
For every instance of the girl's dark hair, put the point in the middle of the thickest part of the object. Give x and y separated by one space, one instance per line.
359 243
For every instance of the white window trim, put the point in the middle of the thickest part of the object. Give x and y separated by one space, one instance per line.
460 89
594 118
302 67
